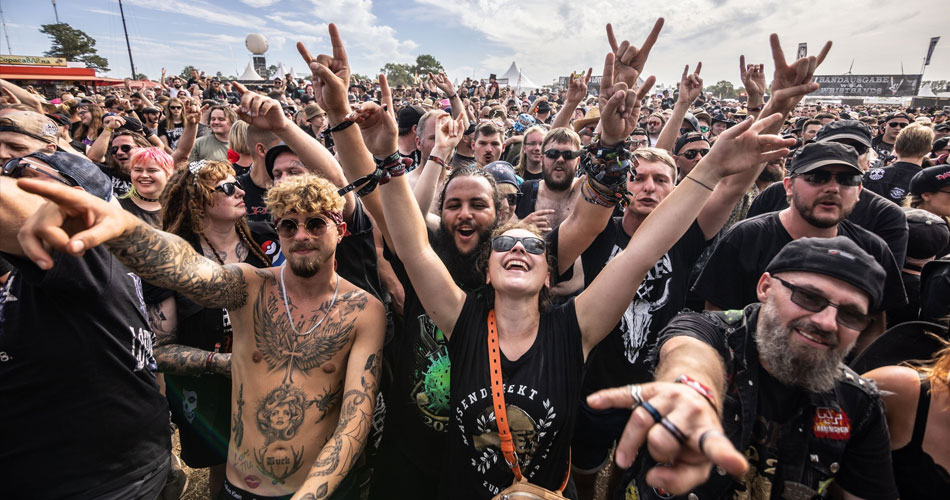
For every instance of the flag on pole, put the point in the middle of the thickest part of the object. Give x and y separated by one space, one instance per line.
802 50
930 51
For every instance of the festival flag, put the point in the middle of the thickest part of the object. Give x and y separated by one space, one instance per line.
802 50
930 51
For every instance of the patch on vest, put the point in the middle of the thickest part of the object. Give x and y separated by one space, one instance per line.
831 424
897 193
876 174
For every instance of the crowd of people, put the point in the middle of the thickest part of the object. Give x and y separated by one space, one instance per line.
335 288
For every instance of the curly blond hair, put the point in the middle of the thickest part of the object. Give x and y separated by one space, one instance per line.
303 194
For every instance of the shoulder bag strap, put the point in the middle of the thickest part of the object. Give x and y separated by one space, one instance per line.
498 397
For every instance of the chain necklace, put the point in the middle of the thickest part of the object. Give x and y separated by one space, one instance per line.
283 290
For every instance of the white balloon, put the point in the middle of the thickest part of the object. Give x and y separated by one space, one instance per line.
256 43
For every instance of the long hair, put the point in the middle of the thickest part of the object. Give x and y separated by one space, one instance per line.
82 131
185 198
937 368
169 119
520 166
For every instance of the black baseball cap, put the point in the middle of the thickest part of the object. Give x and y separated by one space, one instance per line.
693 122
80 170
942 127
409 116
930 180
929 233
815 155
272 154
851 132
544 107
687 138
898 115
940 144
839 258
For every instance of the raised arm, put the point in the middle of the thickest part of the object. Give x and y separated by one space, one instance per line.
753 79
789 85
360 387
576 92
21 95
97 151
160 258
448 133
690 87
738 149
191 116
443 82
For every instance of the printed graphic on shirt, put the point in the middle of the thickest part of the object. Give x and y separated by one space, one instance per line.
762 455
430 390
653 295
189 403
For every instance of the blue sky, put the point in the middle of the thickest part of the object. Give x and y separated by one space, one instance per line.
547 38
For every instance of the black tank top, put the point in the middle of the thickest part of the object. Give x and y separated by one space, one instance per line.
916 473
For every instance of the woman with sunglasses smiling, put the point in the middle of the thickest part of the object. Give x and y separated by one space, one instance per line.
540 351
202 203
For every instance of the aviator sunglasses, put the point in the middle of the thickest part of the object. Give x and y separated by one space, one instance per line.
813 302
531 244
315 226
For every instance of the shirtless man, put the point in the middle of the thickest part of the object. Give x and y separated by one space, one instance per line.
547 202
307 344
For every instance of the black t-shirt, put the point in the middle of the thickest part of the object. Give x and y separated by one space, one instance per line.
356 253
254 206
740 257
151 217
872 212
78 379
531 176
893 181
240 169
542 388
173 135
882 148
528 199
622 357
461 161
415 156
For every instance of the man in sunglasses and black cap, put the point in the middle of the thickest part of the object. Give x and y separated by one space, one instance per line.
823 183
688 150
795 421
893 124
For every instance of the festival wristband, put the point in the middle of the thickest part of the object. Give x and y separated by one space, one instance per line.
699 387
340 126
438 160
209 363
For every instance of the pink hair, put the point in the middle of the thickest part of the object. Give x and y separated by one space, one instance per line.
158 156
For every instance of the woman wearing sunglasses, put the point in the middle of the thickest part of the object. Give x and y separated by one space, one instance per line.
203 203
149 170
539 351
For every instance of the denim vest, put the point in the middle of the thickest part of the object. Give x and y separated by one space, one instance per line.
812 442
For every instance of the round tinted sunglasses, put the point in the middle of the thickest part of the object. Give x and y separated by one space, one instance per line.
813 302
691 154
531 244
567 155
315 226
125 148
229 188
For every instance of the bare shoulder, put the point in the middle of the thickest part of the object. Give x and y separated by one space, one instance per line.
354 299
898 384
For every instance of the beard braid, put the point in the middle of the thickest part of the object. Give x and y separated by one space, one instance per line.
462 266
799 366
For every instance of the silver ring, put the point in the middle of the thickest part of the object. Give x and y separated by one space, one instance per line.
636 392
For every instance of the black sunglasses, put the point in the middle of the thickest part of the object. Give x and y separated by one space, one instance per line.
174 107
897 124
691 154
567 155
823 177
512 198
229 188
125 148
287 228
531 244
14 168
813 302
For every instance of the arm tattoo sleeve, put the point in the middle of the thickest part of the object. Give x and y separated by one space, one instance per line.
168 261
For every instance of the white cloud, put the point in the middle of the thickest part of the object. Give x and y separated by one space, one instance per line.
200 10
368 42
259 3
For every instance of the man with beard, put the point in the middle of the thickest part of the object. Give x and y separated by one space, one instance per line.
804 421
548 201
304 338
214 146
872 211
824 182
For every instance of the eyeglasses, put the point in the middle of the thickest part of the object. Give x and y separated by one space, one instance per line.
174 107
512 198
691 154
125 148
14 168
531 244
897 124
567 155
820 177
638 142
229 188
287 228
813 302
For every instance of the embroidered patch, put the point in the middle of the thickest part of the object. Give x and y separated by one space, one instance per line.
897 193
831 424
876 174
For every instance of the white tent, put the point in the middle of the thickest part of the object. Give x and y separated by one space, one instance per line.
281 71
926 91
517 79
249 74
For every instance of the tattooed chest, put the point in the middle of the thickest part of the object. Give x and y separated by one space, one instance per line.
288 348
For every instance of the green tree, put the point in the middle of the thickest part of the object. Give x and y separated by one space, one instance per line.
425 64
74 45
357 77
723 89
141 76
186 72
398 74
